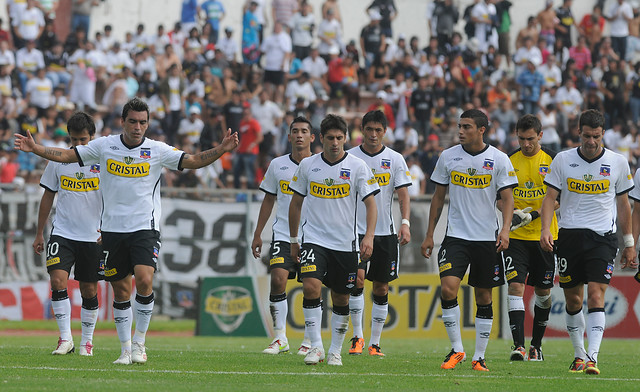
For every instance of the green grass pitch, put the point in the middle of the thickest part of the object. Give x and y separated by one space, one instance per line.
186 363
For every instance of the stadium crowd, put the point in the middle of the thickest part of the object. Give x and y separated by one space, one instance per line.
201 76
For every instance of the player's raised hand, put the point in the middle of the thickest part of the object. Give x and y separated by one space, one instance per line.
256 247
230 141
24 143
427 247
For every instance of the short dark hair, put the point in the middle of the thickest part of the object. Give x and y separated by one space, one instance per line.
300 119
478 117
80 121
375 116
591 118
529 121
135 104
333 121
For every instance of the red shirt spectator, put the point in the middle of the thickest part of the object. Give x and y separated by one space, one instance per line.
580 53
9 168
384 107
250 134
336 72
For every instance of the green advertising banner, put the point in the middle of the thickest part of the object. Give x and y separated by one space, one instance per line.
229 307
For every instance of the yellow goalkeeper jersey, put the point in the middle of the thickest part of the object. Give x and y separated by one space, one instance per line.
531 189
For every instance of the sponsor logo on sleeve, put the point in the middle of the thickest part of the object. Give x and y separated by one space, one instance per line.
284 187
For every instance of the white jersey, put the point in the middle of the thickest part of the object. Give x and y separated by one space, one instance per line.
79 202
635 192
276 182
391 172
588 188
332 192
474 181
130 180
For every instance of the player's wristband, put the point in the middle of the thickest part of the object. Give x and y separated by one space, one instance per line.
406 222
293 240
628 240
535 215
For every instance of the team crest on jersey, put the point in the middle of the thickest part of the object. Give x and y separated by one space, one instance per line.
471 171
587 177
605 170
79 176
128 160
345 174
543 170
386 164
328 181
95 168
488 164
145 153
529 184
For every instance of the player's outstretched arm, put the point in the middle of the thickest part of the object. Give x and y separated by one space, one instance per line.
27 144
366 246
628 258
435 210
204 158
404 233
265 211
546 216
43 214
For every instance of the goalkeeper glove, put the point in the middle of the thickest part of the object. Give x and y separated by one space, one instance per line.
521 218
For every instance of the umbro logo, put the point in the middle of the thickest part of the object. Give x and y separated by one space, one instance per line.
457 159
316 170
574 165
284 167
114 147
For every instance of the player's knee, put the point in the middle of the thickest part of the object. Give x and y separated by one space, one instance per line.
144 284
543 301
278 283
58 283
88 289
380 289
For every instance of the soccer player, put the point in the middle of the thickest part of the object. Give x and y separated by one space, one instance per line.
524 257
282 266
475 173
392 173
73 237
130 178
332 183
593 183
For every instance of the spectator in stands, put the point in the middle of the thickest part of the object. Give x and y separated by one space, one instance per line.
302 29
329 34
388 12
381 104
447 16
190 129
592 26
215 13
28 61
81 14
620 14
565 22
283 10
530 82
580 53
170 91
276 49
28 24
244 159
228 45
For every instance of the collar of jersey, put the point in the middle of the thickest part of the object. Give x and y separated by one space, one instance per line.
336 162
372 155
128 146
590 160
486 146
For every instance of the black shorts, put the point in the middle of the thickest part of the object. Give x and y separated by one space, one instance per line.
524 258
274 77
383 266
302 52
123 251
585 256
62 254
486 268
337 270
281 258
336 89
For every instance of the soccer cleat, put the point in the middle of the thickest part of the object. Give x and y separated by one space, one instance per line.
277 347
138 353
591 368
577 366
452 359
86 350
535 354
479 365
125 358
374 349
518 354
64 347
304 348
357 345
334 359
315 355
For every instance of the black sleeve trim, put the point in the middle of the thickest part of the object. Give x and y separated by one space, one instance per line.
180 162
371 194
552 186
404 185
507 187
625 191
79 158
47 188
267 192
436 182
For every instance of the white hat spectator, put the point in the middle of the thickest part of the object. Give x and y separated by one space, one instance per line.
194 110
381 95
375 14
